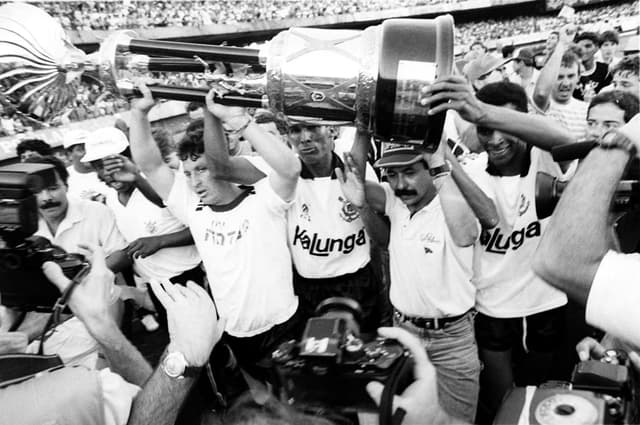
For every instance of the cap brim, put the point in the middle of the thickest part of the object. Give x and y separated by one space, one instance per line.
397 160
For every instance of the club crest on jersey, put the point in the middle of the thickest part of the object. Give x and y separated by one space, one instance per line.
523 206
497 242
304 212
151 226
348 212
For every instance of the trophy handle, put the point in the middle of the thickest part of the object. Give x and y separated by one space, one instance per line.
188 94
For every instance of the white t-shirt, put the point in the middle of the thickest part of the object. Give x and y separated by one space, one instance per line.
507 286
430 274
85 185
572 116
141 218
615 295
245 253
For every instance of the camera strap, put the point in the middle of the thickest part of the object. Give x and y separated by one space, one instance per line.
386 414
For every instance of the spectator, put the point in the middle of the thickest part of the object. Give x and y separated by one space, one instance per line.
485 70
525 73
83 181
30 148
608 53
626 75
594 75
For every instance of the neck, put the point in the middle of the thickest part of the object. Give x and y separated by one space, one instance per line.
125 195
589 64
54 222
526 72
225 193
321 168
514 167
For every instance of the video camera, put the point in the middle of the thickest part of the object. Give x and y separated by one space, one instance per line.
330 366
600 392
23 285
550 188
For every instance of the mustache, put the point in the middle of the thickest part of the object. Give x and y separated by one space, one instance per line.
50 204
405 192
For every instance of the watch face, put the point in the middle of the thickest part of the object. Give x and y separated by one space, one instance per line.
174 365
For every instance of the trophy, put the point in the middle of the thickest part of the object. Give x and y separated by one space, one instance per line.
307 75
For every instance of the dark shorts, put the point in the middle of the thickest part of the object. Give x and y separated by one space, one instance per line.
363 285
543 332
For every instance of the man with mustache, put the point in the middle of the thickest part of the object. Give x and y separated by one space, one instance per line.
553 94
433 230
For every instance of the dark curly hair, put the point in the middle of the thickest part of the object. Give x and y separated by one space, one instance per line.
626 101
35 145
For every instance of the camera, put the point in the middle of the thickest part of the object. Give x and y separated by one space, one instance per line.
331 365
550 188
23 285
600 392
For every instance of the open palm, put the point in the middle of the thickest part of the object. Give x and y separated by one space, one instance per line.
351 182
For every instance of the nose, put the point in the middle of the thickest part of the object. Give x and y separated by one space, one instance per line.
402 182
595 131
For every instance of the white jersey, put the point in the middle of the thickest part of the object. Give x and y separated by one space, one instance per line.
85 185
244 249
326 235
506 284
141 218
430 274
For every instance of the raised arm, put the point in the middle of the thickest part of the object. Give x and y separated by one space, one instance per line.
549 73
456 94
481 205
223 166
577 237
144 247
144 150
281 159
460 219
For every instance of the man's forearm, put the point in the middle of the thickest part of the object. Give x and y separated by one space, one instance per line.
144 150
481 205
578 235
179 238
123 357
160 400
377 228
458 215
145 188
537 130
547 77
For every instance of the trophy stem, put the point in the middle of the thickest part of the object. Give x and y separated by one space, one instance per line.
189 50
177 65
195 95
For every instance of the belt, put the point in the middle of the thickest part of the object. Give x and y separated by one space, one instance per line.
426 323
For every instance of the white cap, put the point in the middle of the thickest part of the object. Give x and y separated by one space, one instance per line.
75 137
104 142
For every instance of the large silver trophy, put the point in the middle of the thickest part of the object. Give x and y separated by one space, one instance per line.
372 77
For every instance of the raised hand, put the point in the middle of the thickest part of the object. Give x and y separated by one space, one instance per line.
146 102
120 167
453 92
351 182
224 113
194 326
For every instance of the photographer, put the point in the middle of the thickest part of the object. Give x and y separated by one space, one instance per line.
102 396
580 262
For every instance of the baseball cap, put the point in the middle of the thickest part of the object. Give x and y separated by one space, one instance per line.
483 66
104 142
74 137
395 155
525 55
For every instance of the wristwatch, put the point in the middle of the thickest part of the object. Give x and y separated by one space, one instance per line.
176 366
441 170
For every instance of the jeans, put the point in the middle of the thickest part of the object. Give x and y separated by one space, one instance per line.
454 354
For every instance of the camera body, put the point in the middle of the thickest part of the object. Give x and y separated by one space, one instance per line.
600 392
23 285
331 366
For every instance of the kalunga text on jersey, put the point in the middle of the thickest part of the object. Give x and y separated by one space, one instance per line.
499 243
322 247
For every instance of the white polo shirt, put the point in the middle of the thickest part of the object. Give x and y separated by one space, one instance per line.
244 250
430 274
507 286
86 222
141 218
615 295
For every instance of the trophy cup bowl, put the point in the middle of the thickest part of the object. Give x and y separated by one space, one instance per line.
313 76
